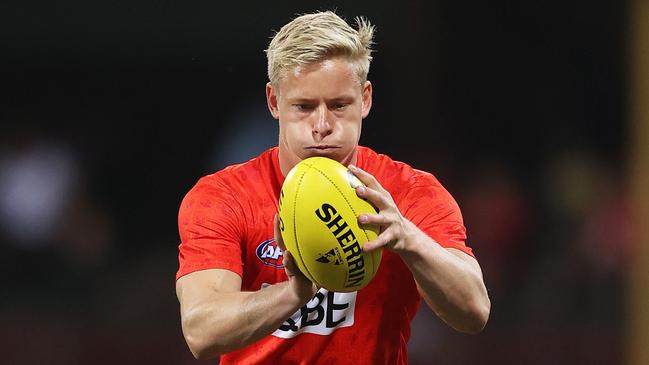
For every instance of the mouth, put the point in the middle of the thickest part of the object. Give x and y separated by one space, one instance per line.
322 149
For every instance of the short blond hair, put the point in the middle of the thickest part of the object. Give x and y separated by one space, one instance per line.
311 38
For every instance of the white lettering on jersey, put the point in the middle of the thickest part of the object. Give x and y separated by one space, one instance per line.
322 315
270 253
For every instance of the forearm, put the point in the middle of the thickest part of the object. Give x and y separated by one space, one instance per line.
451 284
453 287
231 320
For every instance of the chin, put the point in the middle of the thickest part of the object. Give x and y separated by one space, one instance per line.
346 159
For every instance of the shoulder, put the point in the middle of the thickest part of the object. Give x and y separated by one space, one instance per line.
239 175
232 182
393 173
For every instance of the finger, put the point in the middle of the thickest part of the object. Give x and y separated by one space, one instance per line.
377 198
382 240
365 177
374 220
278 233
289 265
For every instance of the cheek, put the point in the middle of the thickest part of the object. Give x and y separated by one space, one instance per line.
291 133
353 129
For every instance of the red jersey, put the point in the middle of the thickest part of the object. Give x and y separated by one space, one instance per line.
226 222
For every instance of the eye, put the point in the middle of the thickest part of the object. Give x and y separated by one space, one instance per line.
303 107
340 106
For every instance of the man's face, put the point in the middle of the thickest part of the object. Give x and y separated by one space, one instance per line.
320 108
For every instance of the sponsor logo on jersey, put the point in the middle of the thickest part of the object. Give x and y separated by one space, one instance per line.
270 254
322 315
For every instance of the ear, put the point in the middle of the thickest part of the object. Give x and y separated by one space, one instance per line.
367 99
271 100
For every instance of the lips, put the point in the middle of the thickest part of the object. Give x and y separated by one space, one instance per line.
322 149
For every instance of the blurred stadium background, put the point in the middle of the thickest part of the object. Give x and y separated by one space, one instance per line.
532 114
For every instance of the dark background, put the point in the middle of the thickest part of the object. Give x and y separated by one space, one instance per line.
111 112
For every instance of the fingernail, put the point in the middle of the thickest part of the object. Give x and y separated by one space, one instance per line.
361 189
353 168
362 219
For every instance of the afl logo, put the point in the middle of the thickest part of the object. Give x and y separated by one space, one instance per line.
270 254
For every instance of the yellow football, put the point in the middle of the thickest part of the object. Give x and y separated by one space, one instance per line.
318 212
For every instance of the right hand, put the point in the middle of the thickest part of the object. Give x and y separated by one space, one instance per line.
301 286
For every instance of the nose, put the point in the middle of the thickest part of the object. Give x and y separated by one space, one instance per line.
323 125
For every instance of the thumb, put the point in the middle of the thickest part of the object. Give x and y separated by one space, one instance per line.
278 233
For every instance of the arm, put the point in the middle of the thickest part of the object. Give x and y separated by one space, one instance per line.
449 280
217 317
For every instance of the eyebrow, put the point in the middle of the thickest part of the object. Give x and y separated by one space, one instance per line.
310 100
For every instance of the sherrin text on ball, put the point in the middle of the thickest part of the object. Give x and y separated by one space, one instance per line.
318 211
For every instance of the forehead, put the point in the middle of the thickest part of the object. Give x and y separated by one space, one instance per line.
327 77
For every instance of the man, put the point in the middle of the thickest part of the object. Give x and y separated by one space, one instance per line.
241 295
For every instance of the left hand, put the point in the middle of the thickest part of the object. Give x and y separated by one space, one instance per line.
393 227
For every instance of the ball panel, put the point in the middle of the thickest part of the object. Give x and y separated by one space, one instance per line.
314 236
332 239
318 209
344 230
307 226
287 216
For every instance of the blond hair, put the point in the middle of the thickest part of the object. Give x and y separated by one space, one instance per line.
311 38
